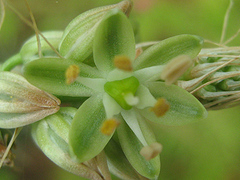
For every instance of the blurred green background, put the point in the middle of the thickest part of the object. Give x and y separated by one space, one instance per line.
205 150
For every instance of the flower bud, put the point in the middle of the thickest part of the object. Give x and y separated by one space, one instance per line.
22 103
77 40
29 50
51 135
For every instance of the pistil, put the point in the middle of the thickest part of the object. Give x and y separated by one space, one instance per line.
131 99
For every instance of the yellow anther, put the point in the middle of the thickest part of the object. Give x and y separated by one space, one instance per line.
150 152
176 68
109 126
72 73
161 107
123 63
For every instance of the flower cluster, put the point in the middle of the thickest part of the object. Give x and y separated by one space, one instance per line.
114 89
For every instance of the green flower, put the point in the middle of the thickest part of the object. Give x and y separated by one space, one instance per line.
124 93
127 97
122 89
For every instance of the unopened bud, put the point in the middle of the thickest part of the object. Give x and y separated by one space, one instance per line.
29 50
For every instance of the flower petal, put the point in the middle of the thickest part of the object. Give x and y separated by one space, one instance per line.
131 147
184 107
146 99
113 37
167 49
111 106
49 75
85 138
132 121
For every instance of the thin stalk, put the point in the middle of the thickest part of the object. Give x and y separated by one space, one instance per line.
225 22
35 28
14 136
232 38
2 13
27 22
211 42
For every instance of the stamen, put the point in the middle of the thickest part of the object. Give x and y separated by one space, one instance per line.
176 68
123 63
72 73
138 52
150 152
131 99
109 126
161 107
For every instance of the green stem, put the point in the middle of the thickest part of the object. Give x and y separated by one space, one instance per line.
11 62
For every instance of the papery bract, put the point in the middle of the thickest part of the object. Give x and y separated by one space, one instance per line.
22 103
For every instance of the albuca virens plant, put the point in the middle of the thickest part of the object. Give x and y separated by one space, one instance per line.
112 87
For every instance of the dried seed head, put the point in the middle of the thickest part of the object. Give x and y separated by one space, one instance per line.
123 63
72 73
161 107
109 126
176 68
150 152
215 78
